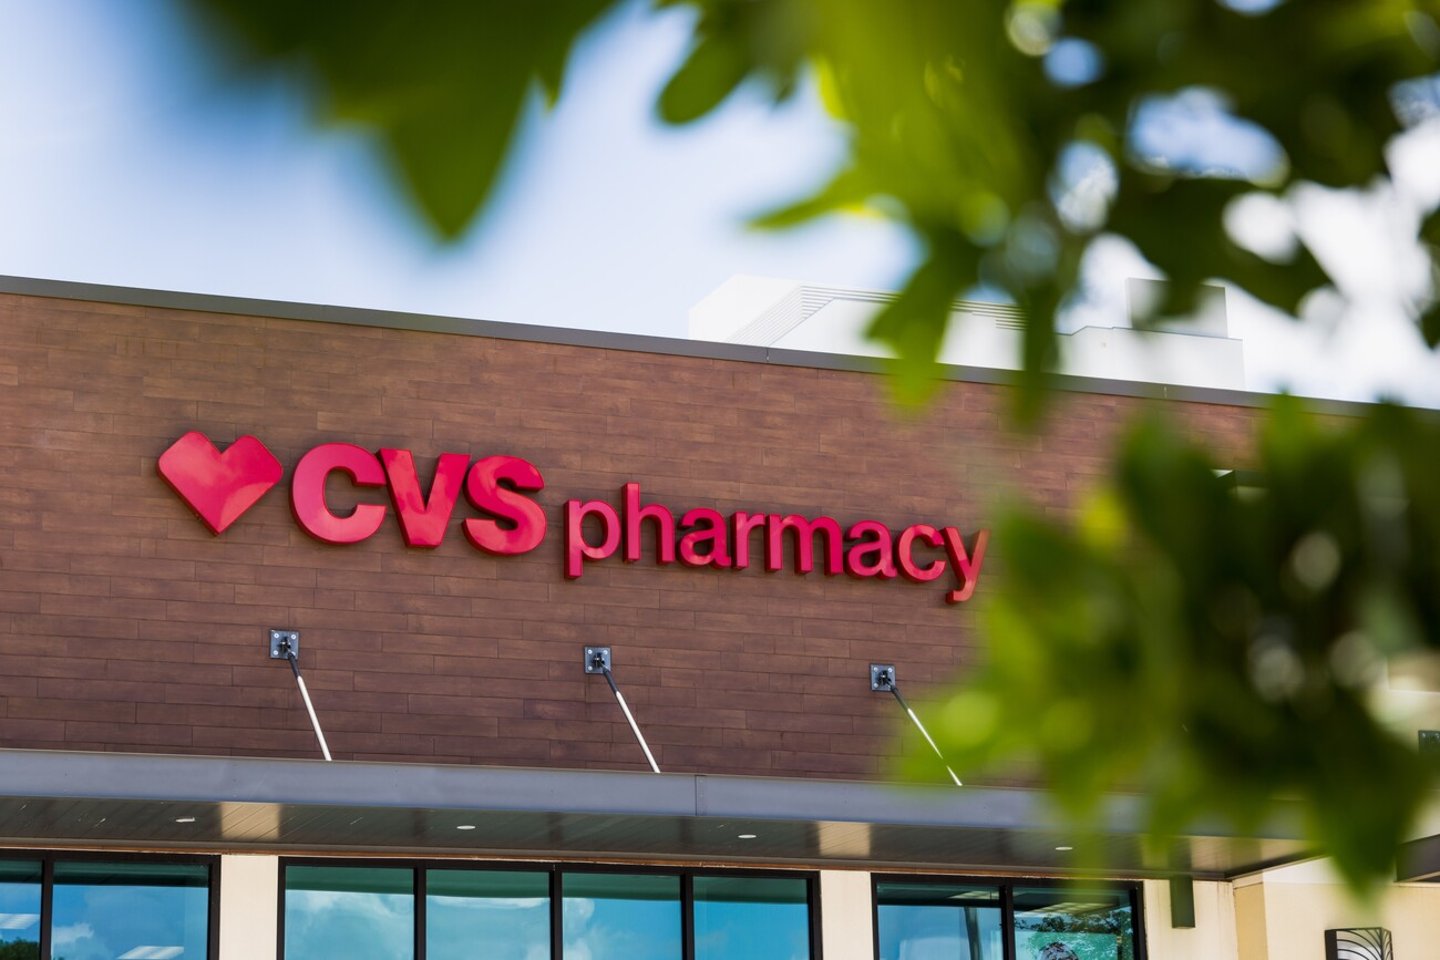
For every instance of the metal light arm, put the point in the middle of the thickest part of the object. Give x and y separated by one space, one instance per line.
285 645
597 660
882 680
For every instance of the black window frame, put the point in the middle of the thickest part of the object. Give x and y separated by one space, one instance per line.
48 859
555 871
1006 886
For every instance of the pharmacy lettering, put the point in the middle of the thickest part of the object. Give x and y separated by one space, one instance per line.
707 538
220 487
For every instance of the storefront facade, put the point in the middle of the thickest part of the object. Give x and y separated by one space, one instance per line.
448 513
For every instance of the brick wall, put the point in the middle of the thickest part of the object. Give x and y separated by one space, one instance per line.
125 625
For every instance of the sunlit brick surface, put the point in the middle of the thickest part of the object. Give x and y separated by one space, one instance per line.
125 625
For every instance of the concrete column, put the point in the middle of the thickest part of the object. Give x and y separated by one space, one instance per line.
1212 937
249 907
846 916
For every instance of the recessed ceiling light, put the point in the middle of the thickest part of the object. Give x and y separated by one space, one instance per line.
745 836
184 819
1064 849
466 826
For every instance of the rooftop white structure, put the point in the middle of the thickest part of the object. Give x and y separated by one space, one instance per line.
785 314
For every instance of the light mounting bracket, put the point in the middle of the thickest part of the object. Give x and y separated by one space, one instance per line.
597 659
284 644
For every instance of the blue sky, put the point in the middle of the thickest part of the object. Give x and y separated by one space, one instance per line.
131 161
128 158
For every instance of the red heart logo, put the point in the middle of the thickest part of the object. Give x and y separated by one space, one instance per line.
219 486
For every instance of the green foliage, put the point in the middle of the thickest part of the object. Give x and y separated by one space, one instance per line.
1430 318
20 950
734 42
1215 647
956 130
958 133
1207 647
440 84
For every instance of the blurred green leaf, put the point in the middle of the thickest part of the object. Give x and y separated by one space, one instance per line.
1202 250
1243 631
714 68
841 193
906 325
735 41
955 126
1430 326
441 85
1247 629
1430 317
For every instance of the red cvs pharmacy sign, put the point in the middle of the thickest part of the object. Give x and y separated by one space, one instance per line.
221 487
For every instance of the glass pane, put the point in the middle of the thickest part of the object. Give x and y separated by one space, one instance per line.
737 918
1073 923
612 916
20 909
931 921
349 913
495 914
104 911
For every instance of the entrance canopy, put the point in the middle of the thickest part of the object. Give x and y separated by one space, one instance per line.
114 800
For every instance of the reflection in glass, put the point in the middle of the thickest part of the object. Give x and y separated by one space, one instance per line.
930 921
612 916
1073 923
102 911
349 913
495 914
20 909
751 918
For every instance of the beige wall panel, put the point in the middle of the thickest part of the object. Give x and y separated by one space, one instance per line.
249 907
846 916
1212 937
1250 921
1303 901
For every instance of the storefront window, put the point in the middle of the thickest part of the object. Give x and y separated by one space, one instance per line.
1073 923
358 913
371 912
130 909
617 916
942 919
496 914
20 909
751 918
938 921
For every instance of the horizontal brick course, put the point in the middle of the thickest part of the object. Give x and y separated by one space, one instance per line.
126 625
